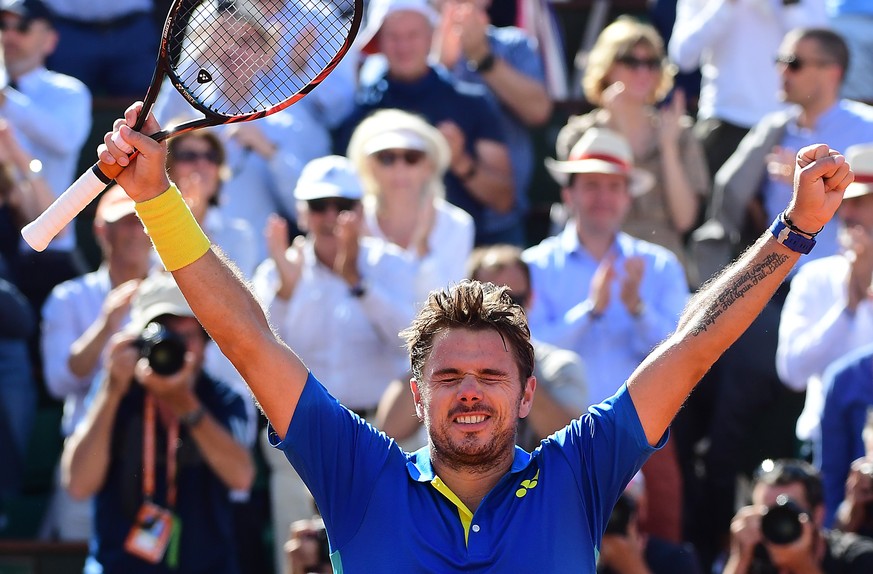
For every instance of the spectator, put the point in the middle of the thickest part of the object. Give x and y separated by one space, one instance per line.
340 298
306 550
606 295
853 20
507 63
855 513
401 160
78 319
844 416
733 43
89 36
625 77
757 179
137 514
627 549
39 105
828 313
479 175
781 531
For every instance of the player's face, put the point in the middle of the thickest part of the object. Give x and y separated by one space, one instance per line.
405 39
471 398
598 201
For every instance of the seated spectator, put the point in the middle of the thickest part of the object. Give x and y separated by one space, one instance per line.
78 320
480 174
175 424
401 160
626 549
626 76
505 61
606 295
782 530
829 313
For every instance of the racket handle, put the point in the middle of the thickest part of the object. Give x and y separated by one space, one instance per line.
39 232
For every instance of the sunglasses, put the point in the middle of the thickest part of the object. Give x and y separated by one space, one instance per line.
388 157
635 63
321 205
20 25
796 64
184 156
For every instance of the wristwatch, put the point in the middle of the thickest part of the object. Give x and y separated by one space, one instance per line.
191 419
790 239
483 65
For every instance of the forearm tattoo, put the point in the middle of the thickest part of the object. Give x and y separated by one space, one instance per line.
736 290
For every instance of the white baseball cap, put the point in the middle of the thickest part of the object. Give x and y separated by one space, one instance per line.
378 10
328 176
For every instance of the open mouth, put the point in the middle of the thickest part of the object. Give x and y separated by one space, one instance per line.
470 419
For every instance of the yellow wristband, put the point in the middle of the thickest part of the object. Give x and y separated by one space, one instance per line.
175 233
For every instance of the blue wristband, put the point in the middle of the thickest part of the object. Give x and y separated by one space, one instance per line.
793 241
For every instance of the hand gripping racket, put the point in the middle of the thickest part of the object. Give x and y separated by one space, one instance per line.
234 61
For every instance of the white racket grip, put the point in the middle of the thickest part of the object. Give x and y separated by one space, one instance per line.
39 232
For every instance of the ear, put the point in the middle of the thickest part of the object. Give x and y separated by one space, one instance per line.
527 397
416 397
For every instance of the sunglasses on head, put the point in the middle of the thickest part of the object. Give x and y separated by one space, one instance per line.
20 25
187 156
635 63
321 205
388 157
796 64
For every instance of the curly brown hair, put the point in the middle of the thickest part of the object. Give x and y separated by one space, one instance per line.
475 306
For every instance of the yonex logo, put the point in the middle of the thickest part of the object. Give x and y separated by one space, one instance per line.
527 485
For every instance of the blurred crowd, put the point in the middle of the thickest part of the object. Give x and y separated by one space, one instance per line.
417 163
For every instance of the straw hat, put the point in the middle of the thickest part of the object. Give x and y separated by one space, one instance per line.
601 150
860 157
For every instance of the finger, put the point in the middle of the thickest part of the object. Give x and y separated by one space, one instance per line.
142 143
117 154
824 165
132 113
810 153
840 180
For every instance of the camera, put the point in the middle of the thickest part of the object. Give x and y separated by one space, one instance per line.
164 349
781 524
619 520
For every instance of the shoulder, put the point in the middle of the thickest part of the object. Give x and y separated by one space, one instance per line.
64 83
453 215
544 253
76 287
646 249
858 109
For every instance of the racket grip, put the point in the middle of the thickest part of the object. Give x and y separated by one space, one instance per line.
39 232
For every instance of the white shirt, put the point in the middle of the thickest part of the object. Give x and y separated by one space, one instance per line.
69 310
235 237
450 243
735 43
815 330
51 115
351 344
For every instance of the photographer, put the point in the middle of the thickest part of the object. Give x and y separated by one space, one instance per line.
855 513
627 550
781 531
159 451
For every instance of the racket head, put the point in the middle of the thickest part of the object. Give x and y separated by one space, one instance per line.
240 60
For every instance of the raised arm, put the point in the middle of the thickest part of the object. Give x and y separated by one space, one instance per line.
217 294
728 304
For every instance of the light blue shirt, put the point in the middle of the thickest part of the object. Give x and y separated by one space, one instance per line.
614 344
51 116
846 124
850 7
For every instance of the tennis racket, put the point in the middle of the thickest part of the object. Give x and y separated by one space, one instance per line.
233 61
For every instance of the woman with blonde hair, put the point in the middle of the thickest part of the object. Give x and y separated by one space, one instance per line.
626 77
401 160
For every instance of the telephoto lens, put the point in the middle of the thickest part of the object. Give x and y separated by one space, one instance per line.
781 524
164 349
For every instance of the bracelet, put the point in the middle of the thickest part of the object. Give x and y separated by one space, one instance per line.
794 241
790 225
175 233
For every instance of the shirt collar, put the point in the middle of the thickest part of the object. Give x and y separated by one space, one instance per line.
30 77
420 469
823 119
569 241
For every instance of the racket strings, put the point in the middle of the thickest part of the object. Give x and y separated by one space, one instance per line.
240 57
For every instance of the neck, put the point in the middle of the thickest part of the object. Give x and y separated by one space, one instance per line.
811 112
397 217
409 76
596 243
471 484
325 250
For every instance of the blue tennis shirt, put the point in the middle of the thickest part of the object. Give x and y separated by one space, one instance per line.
386 511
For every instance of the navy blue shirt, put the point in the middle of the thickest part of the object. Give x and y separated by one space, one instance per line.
203 503
386 511
436 97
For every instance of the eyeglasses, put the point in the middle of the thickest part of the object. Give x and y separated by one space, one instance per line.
322 204
187 156
796 64
634 63
388 157
20 25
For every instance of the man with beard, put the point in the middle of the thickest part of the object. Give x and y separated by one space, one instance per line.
469 501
